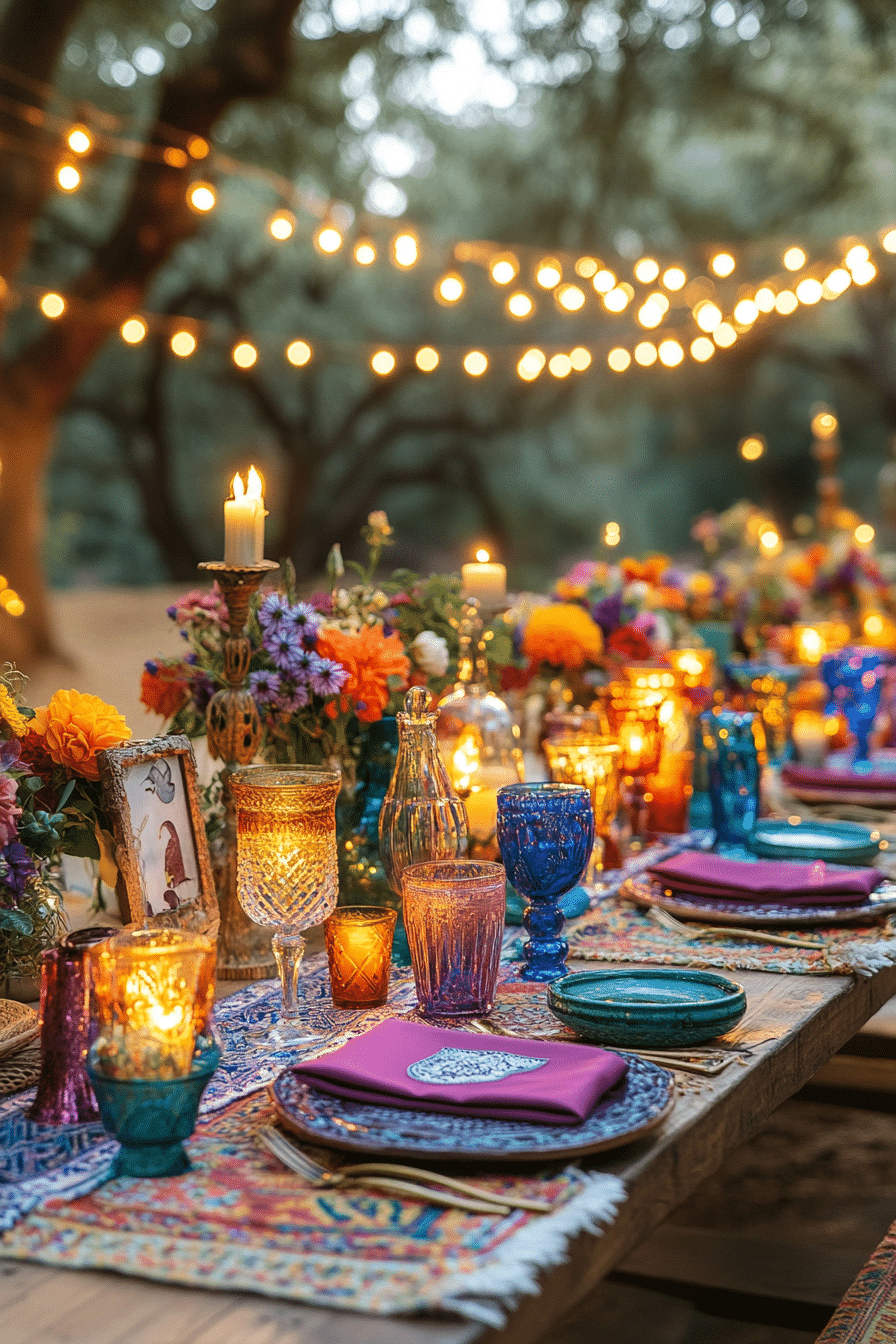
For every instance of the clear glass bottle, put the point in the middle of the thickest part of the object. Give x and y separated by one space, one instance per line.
422 818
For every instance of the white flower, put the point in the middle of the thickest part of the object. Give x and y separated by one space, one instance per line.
430 652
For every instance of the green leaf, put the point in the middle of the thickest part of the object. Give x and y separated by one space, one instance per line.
81 841
15 921
33 783
65 795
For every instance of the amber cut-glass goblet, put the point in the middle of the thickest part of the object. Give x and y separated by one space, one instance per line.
287 866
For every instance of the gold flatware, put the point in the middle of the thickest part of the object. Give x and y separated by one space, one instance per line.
686 1061
698 931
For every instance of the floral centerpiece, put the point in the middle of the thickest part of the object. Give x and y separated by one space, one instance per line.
50 804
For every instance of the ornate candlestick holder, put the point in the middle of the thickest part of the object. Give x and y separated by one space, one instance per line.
234 733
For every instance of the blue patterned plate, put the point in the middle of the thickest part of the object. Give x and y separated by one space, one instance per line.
707 910
636 1105
801 841
654 1007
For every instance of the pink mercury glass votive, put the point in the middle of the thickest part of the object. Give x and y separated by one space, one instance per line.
454 916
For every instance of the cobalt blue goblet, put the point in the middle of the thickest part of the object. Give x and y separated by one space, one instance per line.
546 832
854 677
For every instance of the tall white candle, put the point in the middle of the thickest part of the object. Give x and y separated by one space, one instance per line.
244 517
484 580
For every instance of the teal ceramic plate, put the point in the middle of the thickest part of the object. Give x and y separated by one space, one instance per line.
649 1007
802 840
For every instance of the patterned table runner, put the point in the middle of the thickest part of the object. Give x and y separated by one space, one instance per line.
867 1314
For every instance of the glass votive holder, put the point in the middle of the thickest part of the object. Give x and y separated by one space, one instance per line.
454 916
669 793
733 764
594 763
359 950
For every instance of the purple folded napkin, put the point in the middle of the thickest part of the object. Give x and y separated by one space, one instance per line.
769 880
822 777
434 1069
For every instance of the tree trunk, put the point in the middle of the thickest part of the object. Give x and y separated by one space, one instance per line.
26 437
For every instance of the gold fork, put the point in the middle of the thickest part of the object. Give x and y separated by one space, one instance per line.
697 931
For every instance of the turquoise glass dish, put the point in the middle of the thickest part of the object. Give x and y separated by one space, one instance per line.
655 1007
805 841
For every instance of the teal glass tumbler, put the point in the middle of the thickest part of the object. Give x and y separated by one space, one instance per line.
733 767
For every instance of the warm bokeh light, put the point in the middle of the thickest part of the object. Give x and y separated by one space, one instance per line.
504 269
645 354
580 358
707 316
475 363
794 259
202 197
197 147
328 239
52 305
873 625
586 267
765 299
752 447
405 249
183 343
174 157
864 535
863 272
364 253
483 556
651 314
722 264
724 335
824 424
450 288
14 605
604 281
298 353
549 273
786 303
671 354
616 301
746 312
133 330
531 364
836 283
612 534
619 359
646 270
702 349
769 539
281 225
560 366
520 305
888 242
808 290
426 359
68 177
244 355
382 362
856 255
674 278
570 297
79 140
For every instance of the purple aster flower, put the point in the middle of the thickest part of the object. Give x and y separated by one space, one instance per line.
18 865
203 690
171 612
265 686
273 612
284 646
327 676
303 665
294 695
309 637
302 618
608 613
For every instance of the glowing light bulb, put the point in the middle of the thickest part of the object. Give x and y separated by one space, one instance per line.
531 364
79 140
586 267
824 425
426 359
450 288
183 343
133 330
702 349
382 362
570 297
674 278
298 353
751 448
808 291
281 225
724 335
888 242
645 354
769 539
786 303
604 281
794 258
475 363
197 147
244 355
722 264
863 272
549 273
201 197
580 358
746 312
873 625
52 305
864 535
670 353
520 305
560 366
68 177
504 269
619 359
482 556
765 299
616 301
328 240
405 249
612 534
364 253
855 256
836 283
707 316
646 270
174 157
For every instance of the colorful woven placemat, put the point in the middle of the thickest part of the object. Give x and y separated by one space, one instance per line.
615 930
867 1314
240 1221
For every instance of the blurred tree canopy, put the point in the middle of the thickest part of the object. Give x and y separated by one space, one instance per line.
611 128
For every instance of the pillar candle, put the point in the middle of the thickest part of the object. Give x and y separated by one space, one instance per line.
484 580
244 517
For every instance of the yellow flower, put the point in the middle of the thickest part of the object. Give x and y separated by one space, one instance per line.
9 714
75 727
563 635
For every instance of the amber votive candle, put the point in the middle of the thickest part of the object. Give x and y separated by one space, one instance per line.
359 950
669 793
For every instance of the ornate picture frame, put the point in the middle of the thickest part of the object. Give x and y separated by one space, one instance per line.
151 793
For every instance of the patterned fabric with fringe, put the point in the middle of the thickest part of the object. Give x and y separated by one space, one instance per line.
867 1314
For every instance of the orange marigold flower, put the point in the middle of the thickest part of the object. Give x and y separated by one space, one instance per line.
563 635
650 569
370 658
75 727
164 691
10 715
668 599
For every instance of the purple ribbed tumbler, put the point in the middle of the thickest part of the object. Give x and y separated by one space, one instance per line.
454 916
64 1095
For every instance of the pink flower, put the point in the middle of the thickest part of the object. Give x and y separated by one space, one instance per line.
9 812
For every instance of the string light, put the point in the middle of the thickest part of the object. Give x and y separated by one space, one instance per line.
808 290
197 147
864 272
570 297
746 312
824 424
674 278
298 353
653 310
426 359
646 270
52 305
580 358
450 288
645 354
475 363
328 240
888 242
617 300
619 359
603 281
364 253
702 349
183 343
79 140
504 269
68 177
520 305
752 447
864 535
560 366
671 353
202 197
612 534
405 250
722 264
707 316
133 330
836 283
856 255
724 335
765 299
794 259
382 362
531 364
549 273
786 303
244 355
769 540
586 267
281 225
174 157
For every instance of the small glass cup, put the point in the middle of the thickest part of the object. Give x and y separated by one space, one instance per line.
454 915
669 793
359 950
594 763
732 752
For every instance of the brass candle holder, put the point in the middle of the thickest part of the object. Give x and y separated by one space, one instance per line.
233 726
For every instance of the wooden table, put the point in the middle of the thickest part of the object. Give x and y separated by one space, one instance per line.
794 1024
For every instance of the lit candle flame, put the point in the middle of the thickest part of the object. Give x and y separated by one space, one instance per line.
256 489
483 556
237 488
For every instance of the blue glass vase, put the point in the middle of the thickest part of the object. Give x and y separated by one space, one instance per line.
732 761
546 832
854 678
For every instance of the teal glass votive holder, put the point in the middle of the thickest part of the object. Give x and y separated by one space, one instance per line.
151 1117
